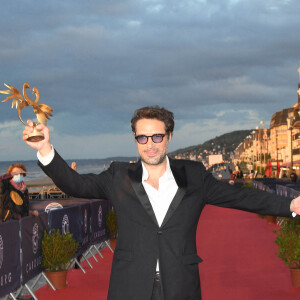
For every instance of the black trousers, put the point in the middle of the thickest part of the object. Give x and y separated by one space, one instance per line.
157 290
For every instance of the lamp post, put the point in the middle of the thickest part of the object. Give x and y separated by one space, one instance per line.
276 152
253 135
267 142
290 121
265 137
249 143
260 147
259 155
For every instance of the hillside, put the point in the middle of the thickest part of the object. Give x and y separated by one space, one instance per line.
224 144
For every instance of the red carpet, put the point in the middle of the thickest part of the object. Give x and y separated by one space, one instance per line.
240 259
240 263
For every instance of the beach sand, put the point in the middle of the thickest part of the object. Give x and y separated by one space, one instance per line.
46 181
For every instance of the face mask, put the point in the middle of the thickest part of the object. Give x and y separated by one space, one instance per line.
18 178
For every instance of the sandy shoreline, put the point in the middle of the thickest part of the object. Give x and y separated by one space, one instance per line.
46 181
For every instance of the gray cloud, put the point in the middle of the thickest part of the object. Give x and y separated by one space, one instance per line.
96 62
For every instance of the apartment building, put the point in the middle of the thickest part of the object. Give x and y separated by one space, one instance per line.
280 144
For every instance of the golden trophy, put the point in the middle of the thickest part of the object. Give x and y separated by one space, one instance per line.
42 111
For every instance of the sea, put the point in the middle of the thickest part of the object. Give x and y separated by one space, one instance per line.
96 166
84 166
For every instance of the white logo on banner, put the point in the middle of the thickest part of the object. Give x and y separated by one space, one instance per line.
100 216
85 221
65 224
35 238
1 251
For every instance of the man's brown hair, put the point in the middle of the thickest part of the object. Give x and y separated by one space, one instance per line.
154 112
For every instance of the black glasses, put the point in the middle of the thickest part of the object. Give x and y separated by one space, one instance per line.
156 138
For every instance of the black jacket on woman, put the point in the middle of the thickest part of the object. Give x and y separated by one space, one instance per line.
13 203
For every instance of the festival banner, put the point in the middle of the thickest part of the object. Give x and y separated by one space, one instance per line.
10 268
32 229
66 219
85 212
293 191
281 190
99 210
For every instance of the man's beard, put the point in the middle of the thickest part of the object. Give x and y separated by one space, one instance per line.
157 160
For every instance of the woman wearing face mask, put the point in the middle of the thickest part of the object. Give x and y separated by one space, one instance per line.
14 199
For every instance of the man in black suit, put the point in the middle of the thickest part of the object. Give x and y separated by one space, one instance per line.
158 202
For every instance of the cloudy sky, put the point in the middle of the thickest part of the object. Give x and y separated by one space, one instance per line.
219 65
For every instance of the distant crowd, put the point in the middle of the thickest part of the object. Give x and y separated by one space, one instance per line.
236 174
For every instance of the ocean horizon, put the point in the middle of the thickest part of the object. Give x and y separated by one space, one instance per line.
84 166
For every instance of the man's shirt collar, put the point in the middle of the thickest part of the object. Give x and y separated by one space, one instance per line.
168 173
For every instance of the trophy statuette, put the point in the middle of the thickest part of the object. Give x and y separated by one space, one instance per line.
42 111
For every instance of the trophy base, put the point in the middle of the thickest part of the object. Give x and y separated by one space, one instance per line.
36 135
35 138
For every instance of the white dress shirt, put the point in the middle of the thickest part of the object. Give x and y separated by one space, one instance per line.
160 199
46 160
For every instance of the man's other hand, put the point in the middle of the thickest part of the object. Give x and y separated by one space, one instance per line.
295 205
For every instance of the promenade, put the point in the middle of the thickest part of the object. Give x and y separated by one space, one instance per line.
239 256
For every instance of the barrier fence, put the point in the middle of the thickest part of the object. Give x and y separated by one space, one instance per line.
281 187
21 241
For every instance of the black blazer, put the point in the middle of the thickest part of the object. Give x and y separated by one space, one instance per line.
9 209
141 241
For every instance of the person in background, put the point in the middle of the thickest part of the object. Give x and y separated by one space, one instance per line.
14 198
293 176
239 174
233 175
74 166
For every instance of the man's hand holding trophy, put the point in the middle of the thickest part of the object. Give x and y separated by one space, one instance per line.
36 134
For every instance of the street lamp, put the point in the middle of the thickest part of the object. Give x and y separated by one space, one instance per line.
290 121
265 137
260 148
276 132
253 134
260 145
